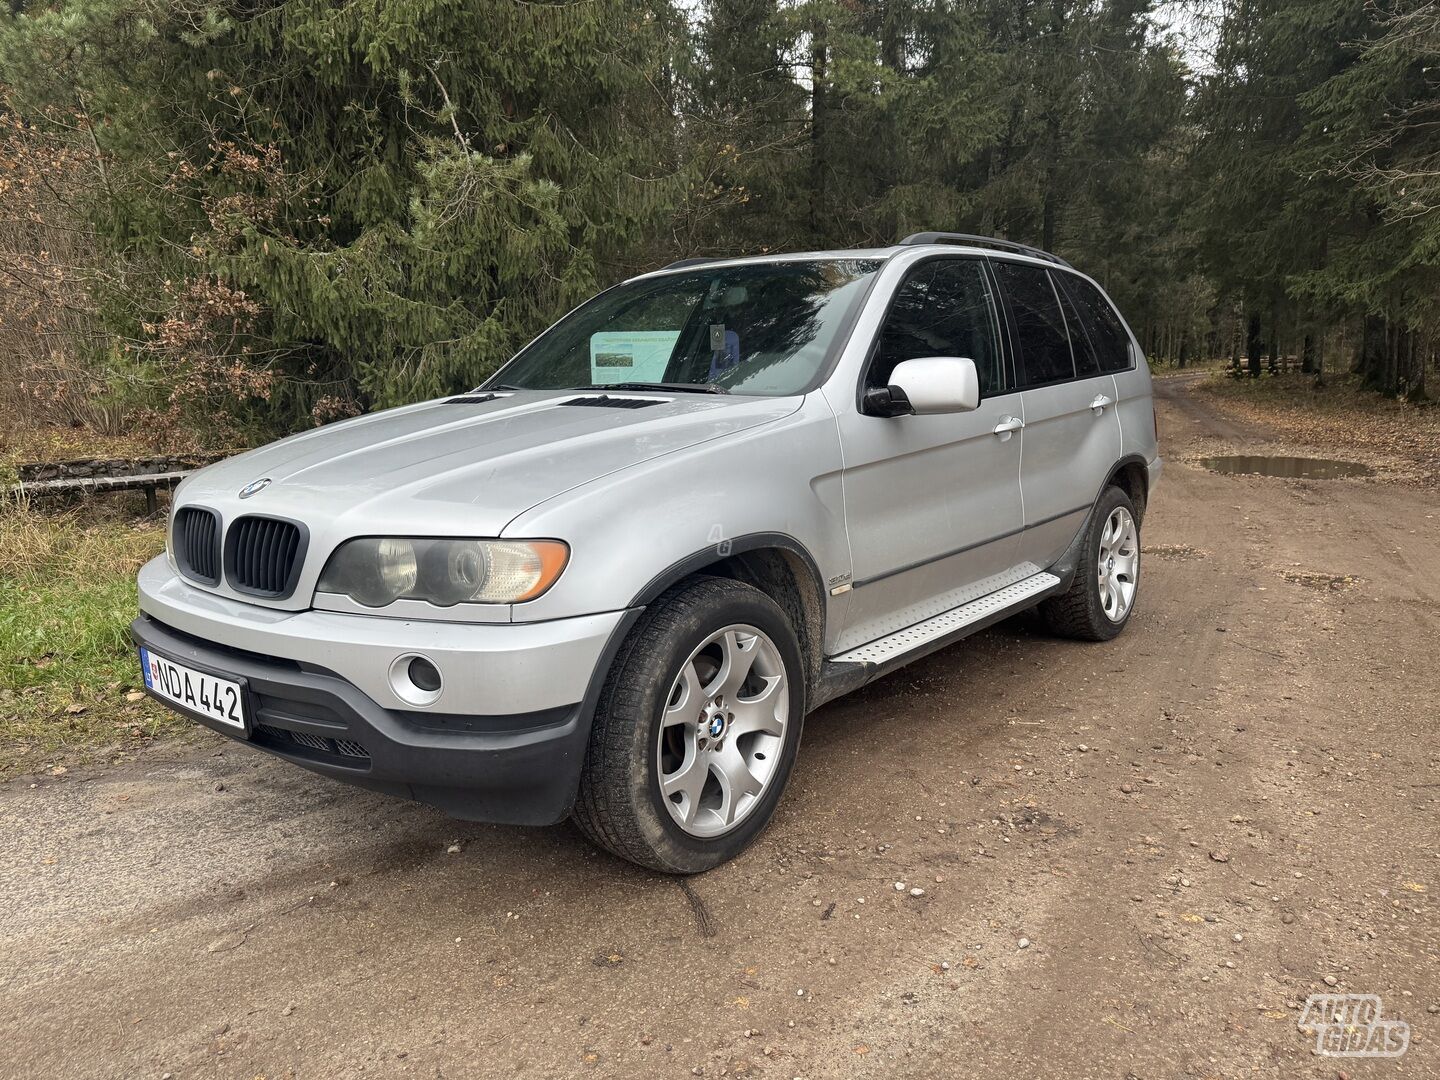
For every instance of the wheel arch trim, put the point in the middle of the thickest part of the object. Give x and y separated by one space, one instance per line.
725 549
1064 567
1126 462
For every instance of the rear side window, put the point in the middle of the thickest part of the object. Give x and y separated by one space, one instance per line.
1101 323
1039 325
1087 365
944 308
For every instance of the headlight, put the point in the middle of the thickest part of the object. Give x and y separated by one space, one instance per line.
378 571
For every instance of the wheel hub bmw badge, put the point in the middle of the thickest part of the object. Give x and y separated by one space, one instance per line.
254 487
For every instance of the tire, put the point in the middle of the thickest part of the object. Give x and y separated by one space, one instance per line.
1089 610
658 721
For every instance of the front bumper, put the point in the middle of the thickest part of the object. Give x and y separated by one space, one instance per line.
473 753
489 669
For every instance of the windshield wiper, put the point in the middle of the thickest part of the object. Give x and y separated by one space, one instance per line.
667 387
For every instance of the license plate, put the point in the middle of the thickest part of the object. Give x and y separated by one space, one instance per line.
198 692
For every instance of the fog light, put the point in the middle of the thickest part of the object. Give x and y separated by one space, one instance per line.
415 680
424 675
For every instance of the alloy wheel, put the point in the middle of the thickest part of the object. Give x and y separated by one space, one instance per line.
1119 564
723 730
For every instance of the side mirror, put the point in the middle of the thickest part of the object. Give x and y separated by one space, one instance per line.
928 385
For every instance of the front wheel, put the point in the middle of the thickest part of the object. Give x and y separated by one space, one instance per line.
696 730
1102 597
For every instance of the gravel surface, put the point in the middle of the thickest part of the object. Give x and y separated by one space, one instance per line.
1019 857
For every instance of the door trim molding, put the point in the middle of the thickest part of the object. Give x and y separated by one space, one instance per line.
969 547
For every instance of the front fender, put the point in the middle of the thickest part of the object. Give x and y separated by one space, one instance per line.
634 533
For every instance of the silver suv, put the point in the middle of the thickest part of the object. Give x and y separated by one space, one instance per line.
611 582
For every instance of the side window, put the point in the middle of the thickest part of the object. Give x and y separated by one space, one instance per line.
944 308
1098 317
1044 346
1087 364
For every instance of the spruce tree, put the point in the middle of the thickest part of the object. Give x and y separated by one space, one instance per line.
401 193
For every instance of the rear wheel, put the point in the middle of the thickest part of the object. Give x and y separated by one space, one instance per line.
696 730
1102 597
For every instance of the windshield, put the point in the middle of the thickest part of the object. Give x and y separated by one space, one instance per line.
761 328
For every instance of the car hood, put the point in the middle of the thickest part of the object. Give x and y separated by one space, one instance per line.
464 466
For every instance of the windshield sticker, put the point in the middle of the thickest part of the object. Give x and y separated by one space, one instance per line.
641 356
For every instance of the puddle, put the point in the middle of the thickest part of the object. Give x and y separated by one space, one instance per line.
1293 468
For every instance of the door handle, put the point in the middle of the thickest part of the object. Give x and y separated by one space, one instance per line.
1008 426
1100 402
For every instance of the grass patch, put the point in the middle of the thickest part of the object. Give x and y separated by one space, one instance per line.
67 668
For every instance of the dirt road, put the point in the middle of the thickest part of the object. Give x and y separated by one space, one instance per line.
1193 827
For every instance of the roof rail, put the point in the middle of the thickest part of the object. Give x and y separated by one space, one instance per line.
916 239
678 263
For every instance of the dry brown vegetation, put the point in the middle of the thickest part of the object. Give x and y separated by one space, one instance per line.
49 323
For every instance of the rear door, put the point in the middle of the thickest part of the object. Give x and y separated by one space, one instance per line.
1072 431
932 503
1119 357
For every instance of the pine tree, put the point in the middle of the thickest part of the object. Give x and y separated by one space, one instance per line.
1267 210
746 132
1376 128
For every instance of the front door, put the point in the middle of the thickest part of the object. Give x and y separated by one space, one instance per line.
932 503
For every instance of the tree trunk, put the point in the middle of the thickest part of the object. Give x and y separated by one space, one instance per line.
987 212
1253 345
890 169
1053 132
1307 354
1373 349
1050 196
1392 360
819 56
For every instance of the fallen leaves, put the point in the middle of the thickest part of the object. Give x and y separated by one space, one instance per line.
1178 552
1313 579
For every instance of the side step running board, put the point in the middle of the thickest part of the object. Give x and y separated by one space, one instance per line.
950 624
